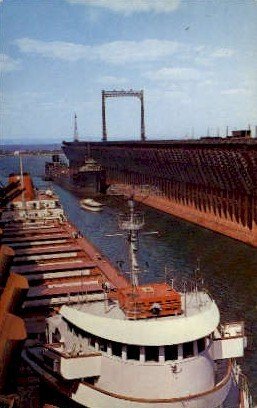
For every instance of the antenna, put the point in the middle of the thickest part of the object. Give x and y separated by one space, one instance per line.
132 223
75 133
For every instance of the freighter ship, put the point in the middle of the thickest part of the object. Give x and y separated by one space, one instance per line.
137 345
89 178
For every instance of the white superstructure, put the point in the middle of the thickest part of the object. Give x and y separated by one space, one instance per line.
44 206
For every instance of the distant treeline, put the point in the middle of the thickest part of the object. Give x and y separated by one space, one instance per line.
31 149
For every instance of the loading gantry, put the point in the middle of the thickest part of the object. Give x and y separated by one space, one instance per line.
118 94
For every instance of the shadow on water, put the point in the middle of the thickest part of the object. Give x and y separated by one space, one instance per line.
229 267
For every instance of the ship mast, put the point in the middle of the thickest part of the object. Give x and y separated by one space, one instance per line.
132 223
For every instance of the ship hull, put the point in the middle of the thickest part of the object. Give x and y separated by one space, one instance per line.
91 396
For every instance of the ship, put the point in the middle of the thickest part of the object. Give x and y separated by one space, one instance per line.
91 205
89 178
141 345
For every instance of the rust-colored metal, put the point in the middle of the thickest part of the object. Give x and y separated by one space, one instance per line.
6 258
9 192
211 182
144 301
12 328
13 294
26 184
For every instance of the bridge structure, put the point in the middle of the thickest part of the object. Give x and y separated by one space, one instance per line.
211 182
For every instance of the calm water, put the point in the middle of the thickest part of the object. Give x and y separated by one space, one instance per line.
229 267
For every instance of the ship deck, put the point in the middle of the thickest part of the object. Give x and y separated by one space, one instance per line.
192 304
61 266
106 320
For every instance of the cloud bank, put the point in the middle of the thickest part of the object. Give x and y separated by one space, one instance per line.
131 6
175 73
116 52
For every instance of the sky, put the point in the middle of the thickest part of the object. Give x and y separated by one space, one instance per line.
195 60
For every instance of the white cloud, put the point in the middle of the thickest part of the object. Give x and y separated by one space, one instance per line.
55 49
222 53
8 64
234 91
168 95
117 52
111 80
175 74
208 83
132 6
207 56
127 52
131 51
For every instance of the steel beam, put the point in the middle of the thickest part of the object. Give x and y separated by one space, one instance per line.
121 94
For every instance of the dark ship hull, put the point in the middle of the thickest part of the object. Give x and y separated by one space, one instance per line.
88 179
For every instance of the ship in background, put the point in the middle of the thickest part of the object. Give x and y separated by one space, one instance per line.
87 179
211 181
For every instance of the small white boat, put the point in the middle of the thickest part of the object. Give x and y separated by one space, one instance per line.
91 205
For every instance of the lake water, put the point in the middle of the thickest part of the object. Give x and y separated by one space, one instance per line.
229 267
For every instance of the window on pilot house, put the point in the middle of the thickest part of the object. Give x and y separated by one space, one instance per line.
92 341
201 345
171 352
116 349
188 349
151 353
133 352
103 345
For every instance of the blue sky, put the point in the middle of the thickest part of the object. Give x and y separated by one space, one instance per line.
194 59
